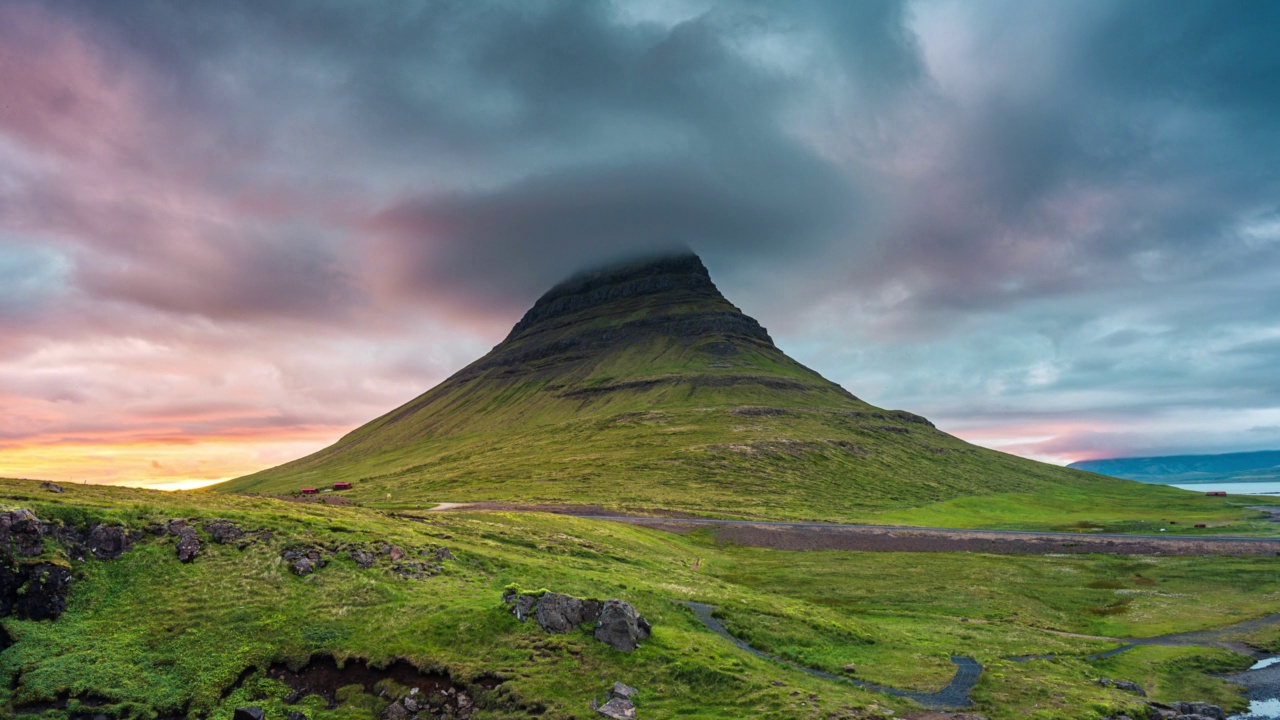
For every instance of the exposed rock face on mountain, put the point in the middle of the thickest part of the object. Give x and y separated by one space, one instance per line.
641 385
679 300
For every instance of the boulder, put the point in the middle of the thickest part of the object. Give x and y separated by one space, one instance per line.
1127 685
107 542
620 626
1130 686
21 533
295 715
396 553
51 487
620 690
558 613
396 711
252 712
443 553
362 558
223 531
618 709
1202 709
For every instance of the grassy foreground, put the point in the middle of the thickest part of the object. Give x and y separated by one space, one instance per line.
152 637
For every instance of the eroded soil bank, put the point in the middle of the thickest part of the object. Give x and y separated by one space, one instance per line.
323 677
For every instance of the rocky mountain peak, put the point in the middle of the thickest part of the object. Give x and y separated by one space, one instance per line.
680 276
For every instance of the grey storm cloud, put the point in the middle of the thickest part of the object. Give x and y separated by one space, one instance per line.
889 184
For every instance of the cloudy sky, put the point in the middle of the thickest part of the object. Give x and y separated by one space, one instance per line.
232 231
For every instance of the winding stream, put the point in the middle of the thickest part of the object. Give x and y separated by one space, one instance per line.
954 695
1219 637
968 670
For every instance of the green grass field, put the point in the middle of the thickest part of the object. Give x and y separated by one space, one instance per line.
153 636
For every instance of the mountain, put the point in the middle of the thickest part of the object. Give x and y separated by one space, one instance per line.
1237 467
640 386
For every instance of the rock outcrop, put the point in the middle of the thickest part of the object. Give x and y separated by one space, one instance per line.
522 603
51 487
21 533
618 623
34 592
34 587
451 703
619 705
363 559
558 613
103 542
1127 685
1177 711
252 712
108 542
1199 710
188 545
304 561
620 626
223 531
618 709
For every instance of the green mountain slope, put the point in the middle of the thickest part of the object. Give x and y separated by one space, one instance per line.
641 387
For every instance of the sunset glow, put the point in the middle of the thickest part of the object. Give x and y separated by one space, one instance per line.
194 463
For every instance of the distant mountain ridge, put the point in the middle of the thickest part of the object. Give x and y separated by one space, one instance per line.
640 386
1239 467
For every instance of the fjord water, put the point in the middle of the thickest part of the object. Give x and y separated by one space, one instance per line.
1235 488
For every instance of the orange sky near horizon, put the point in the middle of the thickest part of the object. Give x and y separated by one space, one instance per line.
197 462
201 462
